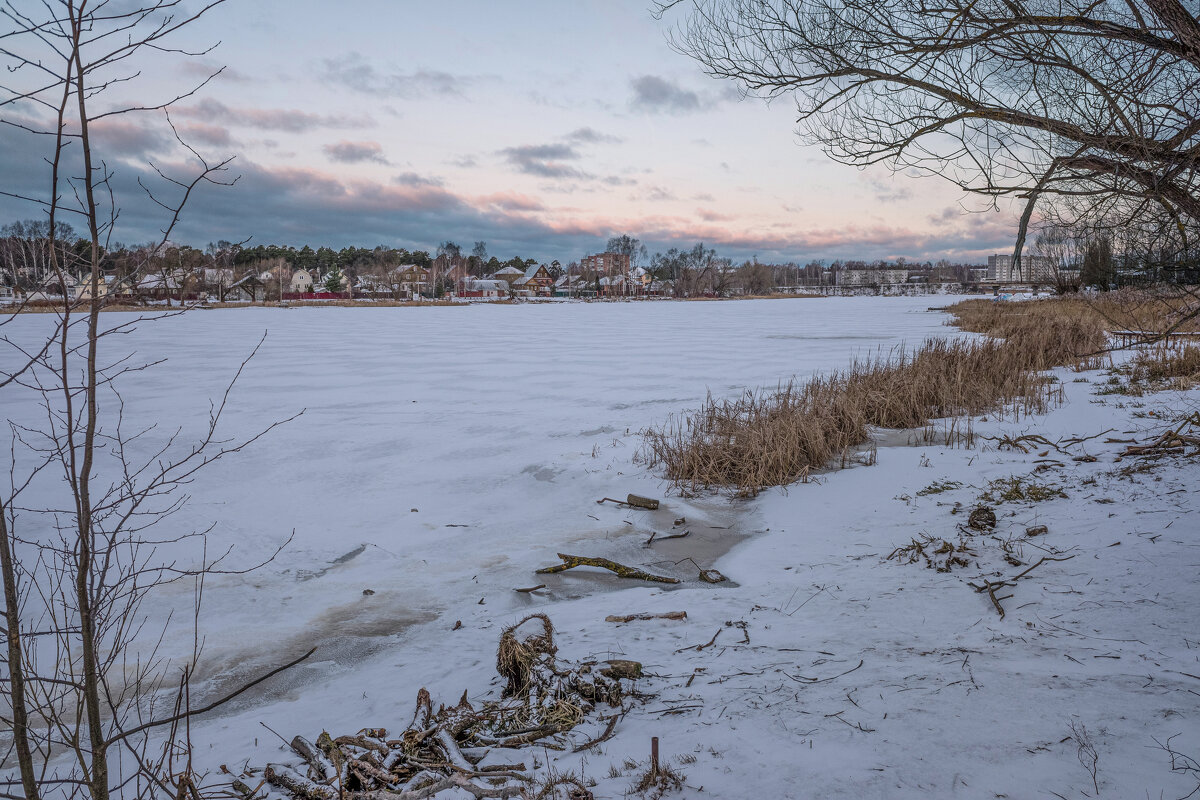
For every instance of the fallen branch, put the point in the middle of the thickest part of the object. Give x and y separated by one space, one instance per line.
810 681
1171 440
632 617
604 737
991 586
654 537
570 562
699 647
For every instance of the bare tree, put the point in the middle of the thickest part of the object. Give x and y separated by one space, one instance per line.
1088 108
86 687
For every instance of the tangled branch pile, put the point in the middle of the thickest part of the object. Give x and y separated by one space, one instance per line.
445 750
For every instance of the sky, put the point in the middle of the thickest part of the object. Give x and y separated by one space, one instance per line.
540 128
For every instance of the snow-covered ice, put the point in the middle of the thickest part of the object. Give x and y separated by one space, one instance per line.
445 453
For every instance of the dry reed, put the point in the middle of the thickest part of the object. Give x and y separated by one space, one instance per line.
773 438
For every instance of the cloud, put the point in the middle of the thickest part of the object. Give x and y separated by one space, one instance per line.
202 133
657 95
289 120
464 162
205 68
887 191
413 179
296 206
356 73
658 194
512 201
123 137
591 136
544 160
946 216
346 152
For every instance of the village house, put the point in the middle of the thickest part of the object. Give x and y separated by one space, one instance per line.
302 281
250 289
483 288
508 274
84 291
536 280
216 279
412 278
160 286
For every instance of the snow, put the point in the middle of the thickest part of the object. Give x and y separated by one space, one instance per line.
444 453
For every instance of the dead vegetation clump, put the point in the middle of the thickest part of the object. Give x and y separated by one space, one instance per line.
1015 489
940 555
937 487
454 749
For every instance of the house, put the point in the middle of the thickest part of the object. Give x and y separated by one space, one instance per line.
412 278
617 286
250 289
66 287
216 279
161 286
373 284
302 281
103 287
509 274
323 280
537 281
452 270
484 288
660 288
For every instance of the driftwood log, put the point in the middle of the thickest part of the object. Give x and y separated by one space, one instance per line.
632 500
570 562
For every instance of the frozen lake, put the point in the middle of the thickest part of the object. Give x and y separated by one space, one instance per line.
444 453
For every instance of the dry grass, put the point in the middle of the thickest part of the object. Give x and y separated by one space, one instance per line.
1164 367
1178 366
1149 310
773 438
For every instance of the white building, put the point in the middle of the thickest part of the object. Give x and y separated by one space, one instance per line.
871 277
1033 269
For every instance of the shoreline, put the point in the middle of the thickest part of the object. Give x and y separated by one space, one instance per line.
49 308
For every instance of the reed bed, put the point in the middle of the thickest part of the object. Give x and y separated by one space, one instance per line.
777 437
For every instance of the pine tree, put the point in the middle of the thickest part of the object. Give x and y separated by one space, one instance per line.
333 281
